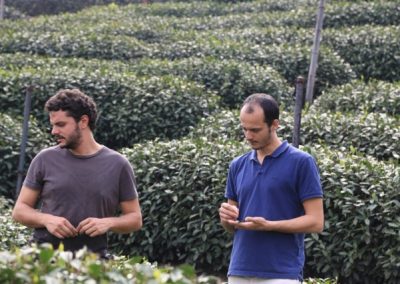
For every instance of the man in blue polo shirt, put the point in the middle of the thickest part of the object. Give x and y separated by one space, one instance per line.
274 197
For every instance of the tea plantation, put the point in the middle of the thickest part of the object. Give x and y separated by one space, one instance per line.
169 79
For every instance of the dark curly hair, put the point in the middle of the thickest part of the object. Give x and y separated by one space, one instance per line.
75 103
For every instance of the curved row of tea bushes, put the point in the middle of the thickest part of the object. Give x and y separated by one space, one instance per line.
10 144
290 60
358 96
337 14
181 185
372 51
131 108
230 79
374 134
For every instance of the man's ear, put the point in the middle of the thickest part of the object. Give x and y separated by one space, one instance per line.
84 122
275 124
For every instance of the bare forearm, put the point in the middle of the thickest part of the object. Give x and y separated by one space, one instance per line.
29 216
303 224
126 223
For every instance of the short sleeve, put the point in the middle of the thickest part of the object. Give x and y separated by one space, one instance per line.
127 183
230 191
309 180
35 174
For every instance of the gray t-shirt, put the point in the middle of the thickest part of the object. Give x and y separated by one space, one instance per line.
79 187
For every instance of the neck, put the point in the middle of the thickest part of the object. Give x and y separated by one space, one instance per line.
268 149
88 146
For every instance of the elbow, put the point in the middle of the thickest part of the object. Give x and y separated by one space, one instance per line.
319 227
15 215
140 223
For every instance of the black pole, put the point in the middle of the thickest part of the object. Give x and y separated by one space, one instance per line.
297 111
24 139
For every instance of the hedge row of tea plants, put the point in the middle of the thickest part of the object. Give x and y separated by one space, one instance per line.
357 96
230 79
182 185
131 108
338 14
10 143
289 60
372 51
374 134
360 240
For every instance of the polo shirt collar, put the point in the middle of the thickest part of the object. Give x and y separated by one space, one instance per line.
278 151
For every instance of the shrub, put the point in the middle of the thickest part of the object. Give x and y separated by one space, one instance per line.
13 235
359 243
289 60
131 108
181 184
372 51
44 265
374 134
10 143
180 198
357 96
232 80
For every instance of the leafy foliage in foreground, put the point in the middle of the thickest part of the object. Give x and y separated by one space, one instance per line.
43 264
12 234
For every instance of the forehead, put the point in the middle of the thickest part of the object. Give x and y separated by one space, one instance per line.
252 114
59 115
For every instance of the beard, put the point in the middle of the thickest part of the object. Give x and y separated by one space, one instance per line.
72 142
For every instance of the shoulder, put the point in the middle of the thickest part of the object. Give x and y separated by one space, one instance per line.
297 154
240 160
48 152
114 155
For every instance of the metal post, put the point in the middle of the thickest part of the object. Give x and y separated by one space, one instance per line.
297 111
2 9
314 53
25 129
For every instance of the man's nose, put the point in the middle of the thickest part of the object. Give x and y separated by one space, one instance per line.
54 130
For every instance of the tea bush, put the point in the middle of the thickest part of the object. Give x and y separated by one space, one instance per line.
374 134
43 264
361 198
358 96
182 185
131 108
10 144
372 51
230 79
180 189
13 235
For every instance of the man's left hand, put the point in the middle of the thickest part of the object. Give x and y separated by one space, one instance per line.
253 223
93 226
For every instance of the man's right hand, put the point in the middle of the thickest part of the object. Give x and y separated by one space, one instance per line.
60 227
228 212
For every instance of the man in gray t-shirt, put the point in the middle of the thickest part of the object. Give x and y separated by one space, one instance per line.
80 183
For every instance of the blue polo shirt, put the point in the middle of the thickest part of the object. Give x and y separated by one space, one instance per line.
274 190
